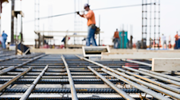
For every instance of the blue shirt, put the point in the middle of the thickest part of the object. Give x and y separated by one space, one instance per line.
4 35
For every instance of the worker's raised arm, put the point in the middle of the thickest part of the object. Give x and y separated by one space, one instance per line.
83 15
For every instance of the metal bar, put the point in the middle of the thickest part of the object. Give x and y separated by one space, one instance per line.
152 86
138 62
152 81
150 92
73 90
68 98
8 58
156 95
33 85
12 21
121 93
155 76
61 81
19 65
14 79
68 90
162 75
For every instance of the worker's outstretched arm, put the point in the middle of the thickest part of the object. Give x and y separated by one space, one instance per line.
83 15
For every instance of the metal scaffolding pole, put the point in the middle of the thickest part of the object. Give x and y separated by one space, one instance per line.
73 90
120 92
150 25
12 21
159 24
33 85
155 23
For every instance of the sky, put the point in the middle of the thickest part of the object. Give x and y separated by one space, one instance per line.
129 19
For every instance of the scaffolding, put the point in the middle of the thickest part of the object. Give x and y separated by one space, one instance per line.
147 12
36 15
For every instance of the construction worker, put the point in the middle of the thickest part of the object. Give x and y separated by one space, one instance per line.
164 41
116 39
169 46
91 23
4 35
176 40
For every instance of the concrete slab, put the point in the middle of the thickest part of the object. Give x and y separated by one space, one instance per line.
141 54
166 64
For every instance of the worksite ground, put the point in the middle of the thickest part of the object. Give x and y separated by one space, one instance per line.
79 51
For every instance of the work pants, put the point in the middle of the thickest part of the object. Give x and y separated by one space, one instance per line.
91 35
176 44
164 45
116 43
4 43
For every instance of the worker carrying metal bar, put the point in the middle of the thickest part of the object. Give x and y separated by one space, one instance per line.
91 23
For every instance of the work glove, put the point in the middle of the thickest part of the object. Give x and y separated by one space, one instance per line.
77 12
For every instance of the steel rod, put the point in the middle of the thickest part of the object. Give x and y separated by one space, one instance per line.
61 81
142 63
152 81
155 76
156 95
150 92
162 75
13 80
152 86
73 90
19 65
68 90
120 92
33 85
8 58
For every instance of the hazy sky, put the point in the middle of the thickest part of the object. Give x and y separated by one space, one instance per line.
109 19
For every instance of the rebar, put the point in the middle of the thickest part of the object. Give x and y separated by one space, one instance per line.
120 92
73 90
33 85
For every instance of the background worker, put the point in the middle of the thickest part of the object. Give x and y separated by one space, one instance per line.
4 36
176 40
116 39
169 46
164 41
91 22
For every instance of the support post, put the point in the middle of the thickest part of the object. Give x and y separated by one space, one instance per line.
12 21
